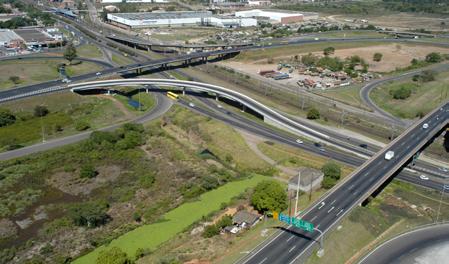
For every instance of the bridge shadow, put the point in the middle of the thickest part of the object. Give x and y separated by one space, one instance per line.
298 233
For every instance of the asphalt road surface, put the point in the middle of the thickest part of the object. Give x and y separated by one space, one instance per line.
403 245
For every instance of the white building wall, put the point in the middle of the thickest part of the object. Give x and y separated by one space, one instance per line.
110 1
277 16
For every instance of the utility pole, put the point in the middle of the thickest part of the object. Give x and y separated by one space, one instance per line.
320 252
297 192
441 200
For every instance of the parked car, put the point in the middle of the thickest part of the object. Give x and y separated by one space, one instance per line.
423 177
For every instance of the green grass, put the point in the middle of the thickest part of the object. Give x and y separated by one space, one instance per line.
348 95
425 97
121 60
36 71
147 101
89 51
175 221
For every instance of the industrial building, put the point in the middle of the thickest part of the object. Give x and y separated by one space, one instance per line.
181 18
283 17
134 1
9 38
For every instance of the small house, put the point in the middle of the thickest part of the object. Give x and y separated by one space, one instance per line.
245 219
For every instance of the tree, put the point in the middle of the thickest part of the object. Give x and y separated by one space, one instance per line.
333 64
114 255
313 114
309 59
434 57
40 111
328 51
6 118
331 170
88 171
81 125
14 79
269 196
70 52
210 231
377 56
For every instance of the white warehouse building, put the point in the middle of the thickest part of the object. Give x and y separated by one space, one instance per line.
133 1
181 18
284 17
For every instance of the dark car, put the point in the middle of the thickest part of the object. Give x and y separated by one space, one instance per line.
365 146
318 145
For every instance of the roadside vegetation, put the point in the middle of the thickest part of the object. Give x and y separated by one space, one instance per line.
415 97
135 177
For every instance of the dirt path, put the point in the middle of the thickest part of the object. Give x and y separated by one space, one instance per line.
119 105
252 141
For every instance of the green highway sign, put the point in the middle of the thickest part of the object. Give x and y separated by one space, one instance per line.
299 223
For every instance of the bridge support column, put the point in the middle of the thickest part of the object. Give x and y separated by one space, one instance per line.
243 108
216 97
146 90
148 49
183 91
109 92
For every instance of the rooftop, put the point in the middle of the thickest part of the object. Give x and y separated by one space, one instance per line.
32 35
163 15
6 35
245 217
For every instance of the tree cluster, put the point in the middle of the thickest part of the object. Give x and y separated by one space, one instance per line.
89 214
269 196
6 118
213 230
332 173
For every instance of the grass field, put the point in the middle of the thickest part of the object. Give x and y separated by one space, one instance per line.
175 221
121 60
426 97
146 101
348 95
291 50
89 51
36 71
293 157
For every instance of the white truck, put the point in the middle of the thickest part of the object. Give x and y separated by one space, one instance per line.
389 155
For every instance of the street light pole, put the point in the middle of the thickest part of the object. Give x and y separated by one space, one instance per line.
320 252
297 193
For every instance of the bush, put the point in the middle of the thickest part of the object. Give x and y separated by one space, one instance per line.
88 171
434 57
328 51
269 196
81 125
89 214
14 79
333 64
401 93
377 56
6 118
146 180
309 59
210 231
313 113
40 111
331 170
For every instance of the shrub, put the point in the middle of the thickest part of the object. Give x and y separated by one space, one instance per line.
88 171
401 93
81 125
331 170
40 111
90 214
328 51
377 56
434 57
14 79
6 118
113 255
210 231
313 113
146 180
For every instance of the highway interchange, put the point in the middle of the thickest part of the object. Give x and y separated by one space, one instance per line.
336 205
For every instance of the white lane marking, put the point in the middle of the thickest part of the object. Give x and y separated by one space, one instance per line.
332 208
290 238
265 259
402 144
365 174
341 211
333 202
290 250
355 193
321 206
350 187
408 147
313 218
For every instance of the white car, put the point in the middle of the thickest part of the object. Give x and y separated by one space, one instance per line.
219 106
423 177
191 104
98 73
299 141
425 126
444 169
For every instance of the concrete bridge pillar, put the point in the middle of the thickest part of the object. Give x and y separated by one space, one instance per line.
183 91
216 97
146 90
243 108
109 92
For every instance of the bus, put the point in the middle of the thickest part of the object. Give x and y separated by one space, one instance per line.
172 95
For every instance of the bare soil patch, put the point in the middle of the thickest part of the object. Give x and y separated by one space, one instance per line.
71 183
7 228
394 56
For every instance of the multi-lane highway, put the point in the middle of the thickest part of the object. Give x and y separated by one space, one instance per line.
289 247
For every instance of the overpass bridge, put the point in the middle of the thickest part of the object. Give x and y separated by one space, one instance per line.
165 47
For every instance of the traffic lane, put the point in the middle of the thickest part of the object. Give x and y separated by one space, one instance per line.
394 249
